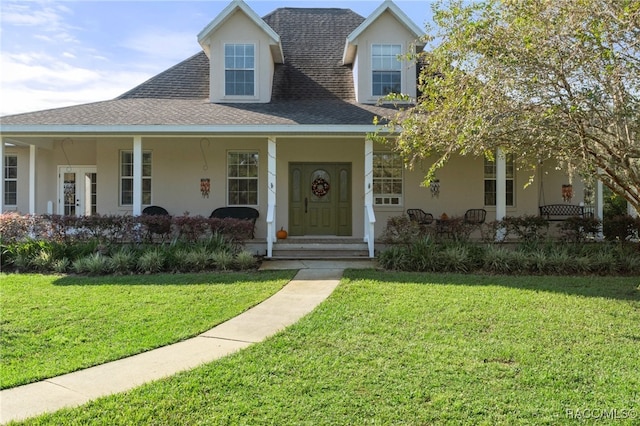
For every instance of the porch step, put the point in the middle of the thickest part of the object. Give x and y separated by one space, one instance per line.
315 249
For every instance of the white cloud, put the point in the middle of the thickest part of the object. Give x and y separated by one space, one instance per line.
32 82
163 45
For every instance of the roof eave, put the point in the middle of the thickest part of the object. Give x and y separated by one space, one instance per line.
227 12
387 5
20 130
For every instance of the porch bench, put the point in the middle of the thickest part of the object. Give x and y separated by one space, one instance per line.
559 212
244 213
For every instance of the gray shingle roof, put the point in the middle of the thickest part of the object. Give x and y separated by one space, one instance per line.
313 41
312 87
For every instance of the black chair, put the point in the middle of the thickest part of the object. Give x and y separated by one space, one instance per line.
419 216
158 226
475 216
155 211
244 213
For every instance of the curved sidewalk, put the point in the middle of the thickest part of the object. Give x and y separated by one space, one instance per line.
299 297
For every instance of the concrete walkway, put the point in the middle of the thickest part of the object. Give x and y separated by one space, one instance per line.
313 283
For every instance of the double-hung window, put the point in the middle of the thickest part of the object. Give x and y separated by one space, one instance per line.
386 69
387 178
10 180
239 69
126 178
242 178
490 195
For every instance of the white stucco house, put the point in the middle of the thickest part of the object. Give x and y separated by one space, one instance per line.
273 114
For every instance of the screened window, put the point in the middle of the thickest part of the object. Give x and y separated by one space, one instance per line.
490 195
10 180
387 179
242 178
239 69
126 178
386 69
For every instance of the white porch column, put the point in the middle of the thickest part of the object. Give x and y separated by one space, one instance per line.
32 179
271 195
369 215
2 162
137 175
501 190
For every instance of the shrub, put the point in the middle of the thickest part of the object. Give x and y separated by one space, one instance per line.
122 261
621 228
151 261
246 260
400 229
223 260
526 228
60 266
578 229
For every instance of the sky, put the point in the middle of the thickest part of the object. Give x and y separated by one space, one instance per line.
56 53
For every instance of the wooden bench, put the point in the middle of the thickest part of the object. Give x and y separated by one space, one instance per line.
244 213
559 212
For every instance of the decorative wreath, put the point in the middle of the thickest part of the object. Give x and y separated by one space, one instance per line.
319 187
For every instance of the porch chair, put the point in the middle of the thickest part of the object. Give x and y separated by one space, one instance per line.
155 211
475 216
160 227
420 216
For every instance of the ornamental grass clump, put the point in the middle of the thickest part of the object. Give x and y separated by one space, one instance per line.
122 261
245 260
223 260
151 261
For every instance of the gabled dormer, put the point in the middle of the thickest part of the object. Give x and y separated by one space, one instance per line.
242 51
372 49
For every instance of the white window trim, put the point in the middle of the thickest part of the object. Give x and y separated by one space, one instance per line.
257 178
388 196
371 70
256 72
513 179
120 177
6 179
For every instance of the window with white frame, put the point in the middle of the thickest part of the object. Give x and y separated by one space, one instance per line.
10 180
387 178
386 69
242 178
490 195
239 69
126 178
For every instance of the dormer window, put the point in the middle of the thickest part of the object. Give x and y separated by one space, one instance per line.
386 69
239 69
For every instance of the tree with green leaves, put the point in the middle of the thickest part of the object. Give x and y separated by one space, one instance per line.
542 79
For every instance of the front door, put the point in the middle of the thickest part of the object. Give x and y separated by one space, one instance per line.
77 193
320 199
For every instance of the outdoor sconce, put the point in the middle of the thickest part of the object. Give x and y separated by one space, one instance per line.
567 193
434 186
205 187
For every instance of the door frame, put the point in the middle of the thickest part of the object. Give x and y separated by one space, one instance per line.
341 206
83 193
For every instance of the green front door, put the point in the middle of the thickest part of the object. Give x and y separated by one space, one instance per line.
320 199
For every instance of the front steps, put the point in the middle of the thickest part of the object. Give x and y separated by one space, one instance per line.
321 248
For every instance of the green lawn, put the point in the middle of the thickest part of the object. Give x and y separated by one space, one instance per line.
393 348
53 325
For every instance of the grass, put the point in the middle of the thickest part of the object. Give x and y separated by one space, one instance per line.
401 348
53 325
